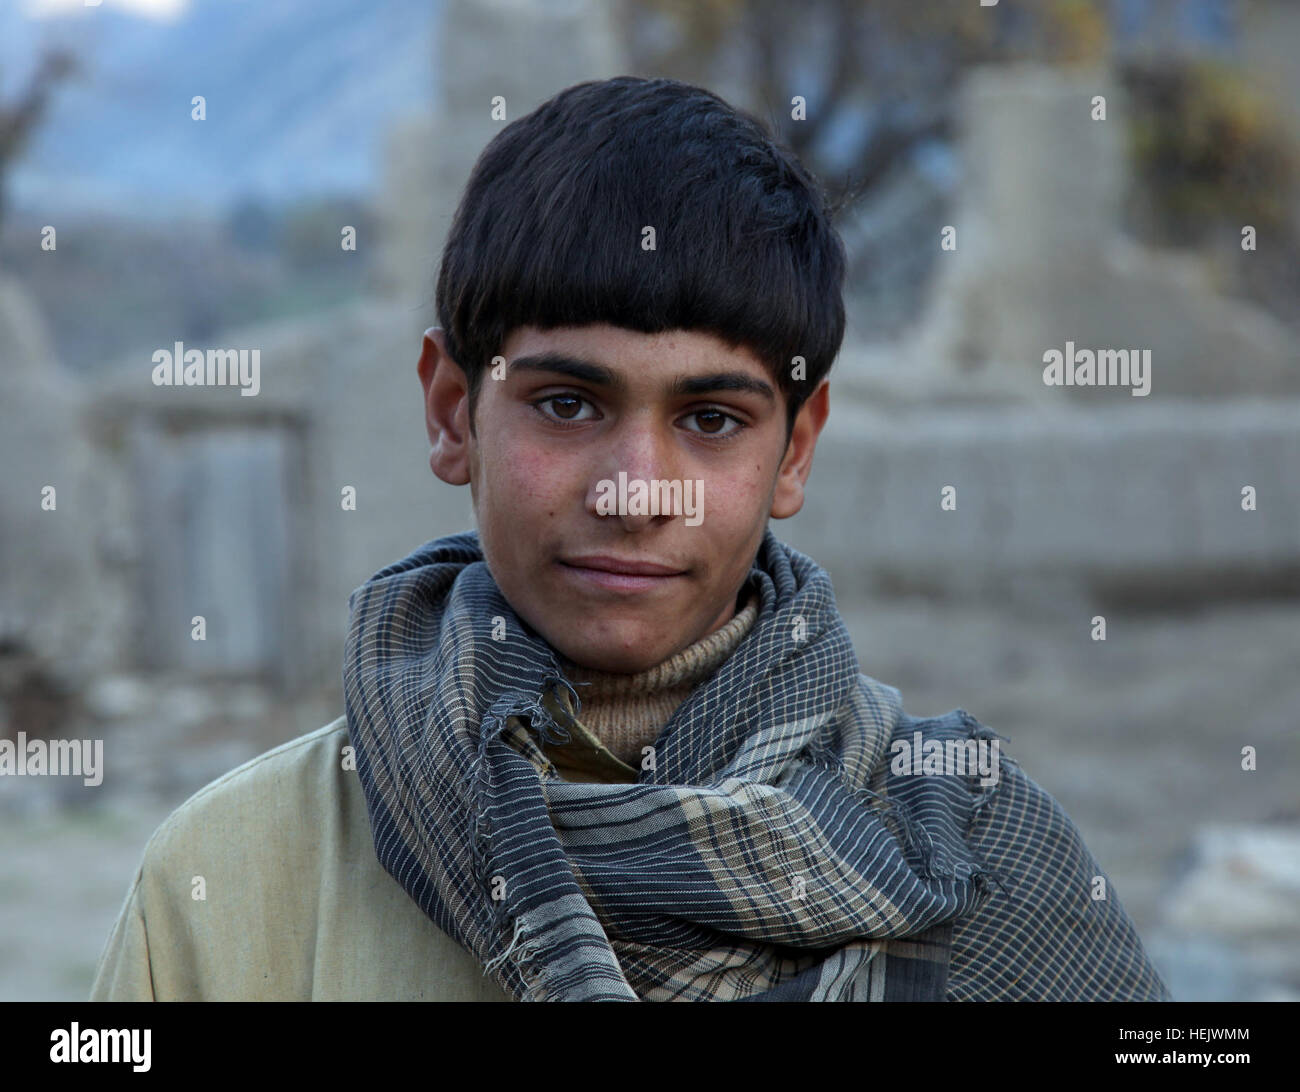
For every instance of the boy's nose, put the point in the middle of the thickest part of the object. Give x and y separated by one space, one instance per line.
643 452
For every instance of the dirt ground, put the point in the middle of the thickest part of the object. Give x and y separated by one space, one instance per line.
1139 737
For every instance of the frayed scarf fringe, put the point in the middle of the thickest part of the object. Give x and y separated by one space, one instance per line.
548 729
491 966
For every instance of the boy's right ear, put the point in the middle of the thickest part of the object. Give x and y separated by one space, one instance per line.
446 409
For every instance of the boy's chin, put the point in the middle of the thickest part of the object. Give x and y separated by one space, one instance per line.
611 658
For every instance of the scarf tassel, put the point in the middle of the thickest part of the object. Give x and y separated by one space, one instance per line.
495 962
912 835
543 722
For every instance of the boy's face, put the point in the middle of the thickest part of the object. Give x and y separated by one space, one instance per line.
582 405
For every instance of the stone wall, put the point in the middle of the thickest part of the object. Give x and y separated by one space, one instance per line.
61 597
1041 259
1106 496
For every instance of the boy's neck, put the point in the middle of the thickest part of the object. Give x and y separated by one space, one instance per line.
625 712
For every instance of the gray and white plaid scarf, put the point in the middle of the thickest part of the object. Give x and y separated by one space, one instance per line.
769 853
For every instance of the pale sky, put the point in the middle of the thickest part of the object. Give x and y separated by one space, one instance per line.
149 9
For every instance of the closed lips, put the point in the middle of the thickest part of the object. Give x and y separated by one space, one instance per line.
626 568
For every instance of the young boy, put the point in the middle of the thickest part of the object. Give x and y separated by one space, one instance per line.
615 745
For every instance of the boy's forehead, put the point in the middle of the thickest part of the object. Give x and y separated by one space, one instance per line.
617 356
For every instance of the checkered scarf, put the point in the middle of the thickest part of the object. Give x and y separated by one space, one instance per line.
768 852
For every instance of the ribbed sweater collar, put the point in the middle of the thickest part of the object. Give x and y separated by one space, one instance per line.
624 713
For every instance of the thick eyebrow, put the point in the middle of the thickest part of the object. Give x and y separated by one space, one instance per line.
587 370
600 376
723 381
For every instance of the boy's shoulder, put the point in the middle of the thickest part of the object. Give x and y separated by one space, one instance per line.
283 792
264 885
1054 927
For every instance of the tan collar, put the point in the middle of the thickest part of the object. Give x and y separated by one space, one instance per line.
633 708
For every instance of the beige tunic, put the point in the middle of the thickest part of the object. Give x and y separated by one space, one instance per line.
296 905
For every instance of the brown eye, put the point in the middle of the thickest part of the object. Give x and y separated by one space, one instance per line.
713 422
574 405
558 408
